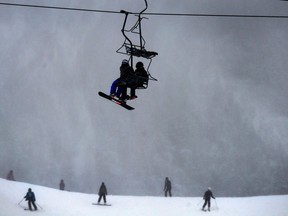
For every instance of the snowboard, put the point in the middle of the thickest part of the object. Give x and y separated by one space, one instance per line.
27 209
100 204
116 101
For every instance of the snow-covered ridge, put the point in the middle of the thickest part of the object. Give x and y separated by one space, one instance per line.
55 202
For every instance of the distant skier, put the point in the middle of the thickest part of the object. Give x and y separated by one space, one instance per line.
62 185
167 187
10 176
30 197
207 196
102 193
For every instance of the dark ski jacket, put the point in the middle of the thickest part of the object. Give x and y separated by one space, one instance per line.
208 194
167 185
102 190
141 76
62 185
126 71
30 196
141 72
10 176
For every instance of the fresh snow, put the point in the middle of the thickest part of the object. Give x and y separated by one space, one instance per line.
63 203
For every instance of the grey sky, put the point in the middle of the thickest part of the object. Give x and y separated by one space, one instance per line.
217 116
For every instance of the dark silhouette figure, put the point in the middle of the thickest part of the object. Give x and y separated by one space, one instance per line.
102 193
10 176
138 79
167 187
62 185
207 197
119 86
129 79
30 197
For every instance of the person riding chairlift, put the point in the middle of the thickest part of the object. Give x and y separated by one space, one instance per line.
128 78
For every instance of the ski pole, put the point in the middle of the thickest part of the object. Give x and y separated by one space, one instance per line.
20 201
200 202
216 204
38 205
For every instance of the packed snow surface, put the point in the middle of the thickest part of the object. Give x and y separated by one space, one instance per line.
53 202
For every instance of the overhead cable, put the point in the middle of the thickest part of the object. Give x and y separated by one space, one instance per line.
147 14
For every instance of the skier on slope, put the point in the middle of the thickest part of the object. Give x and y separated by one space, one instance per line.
167 187
10 176
62 185
30 197
207 196
102 193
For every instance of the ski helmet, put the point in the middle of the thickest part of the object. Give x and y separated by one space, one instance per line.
125 61
139 64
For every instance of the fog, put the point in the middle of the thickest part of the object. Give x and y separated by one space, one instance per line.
217 116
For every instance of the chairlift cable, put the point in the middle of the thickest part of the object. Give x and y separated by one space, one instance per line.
147 14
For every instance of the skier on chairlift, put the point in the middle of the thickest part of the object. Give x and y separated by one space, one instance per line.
139 79
128 78
119 86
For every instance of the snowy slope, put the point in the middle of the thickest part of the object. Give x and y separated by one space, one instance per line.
63 203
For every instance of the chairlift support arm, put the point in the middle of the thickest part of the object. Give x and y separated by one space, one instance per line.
136 50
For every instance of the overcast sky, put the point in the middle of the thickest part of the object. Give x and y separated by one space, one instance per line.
217 116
